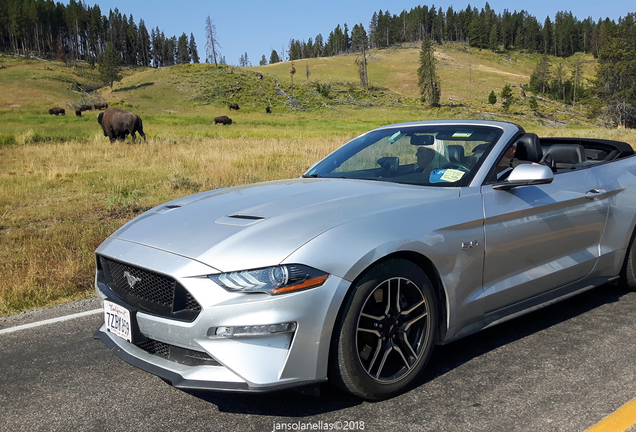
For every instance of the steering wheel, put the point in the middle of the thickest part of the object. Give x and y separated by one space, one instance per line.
456 165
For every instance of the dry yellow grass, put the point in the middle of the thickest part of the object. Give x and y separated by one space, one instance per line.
59 201
467 75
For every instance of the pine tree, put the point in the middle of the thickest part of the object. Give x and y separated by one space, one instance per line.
273 58
477 33
144 44
192 49
507 97
109 66
158 42
373 26
540 78
616 77
494 39
318 46
244 60
169 50
263 61
428 81
492 98
360 43
183 54
559 83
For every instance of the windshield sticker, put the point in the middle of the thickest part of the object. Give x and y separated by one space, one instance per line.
445 175
462 134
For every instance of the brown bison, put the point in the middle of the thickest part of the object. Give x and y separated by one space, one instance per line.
224 120
117 124
233 106
101 105
268 110
78 113
57 111
85 108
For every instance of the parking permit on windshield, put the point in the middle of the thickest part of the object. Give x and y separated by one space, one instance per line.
452 175
445 175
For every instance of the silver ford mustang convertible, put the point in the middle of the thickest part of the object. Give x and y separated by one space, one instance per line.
408 236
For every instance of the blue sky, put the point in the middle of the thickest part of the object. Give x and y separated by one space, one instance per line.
257 27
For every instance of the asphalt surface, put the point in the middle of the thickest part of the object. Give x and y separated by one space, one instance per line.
563 368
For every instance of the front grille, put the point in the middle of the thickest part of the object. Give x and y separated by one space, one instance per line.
148 291
177 354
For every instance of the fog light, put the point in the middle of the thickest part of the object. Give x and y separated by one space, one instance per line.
256 330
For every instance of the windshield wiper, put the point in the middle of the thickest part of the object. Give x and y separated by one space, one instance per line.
370 178
311 176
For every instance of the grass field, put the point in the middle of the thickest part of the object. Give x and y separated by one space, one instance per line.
64 188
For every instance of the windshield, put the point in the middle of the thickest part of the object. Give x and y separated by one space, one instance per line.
439 155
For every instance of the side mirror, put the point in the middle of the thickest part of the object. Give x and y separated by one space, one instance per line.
526 175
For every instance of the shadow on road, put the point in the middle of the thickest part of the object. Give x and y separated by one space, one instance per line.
448 357
325 398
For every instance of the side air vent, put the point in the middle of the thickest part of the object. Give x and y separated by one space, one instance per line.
167 208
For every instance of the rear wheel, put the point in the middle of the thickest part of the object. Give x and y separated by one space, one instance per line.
385 334
628 273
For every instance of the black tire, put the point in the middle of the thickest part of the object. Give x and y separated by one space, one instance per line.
628 272
385 333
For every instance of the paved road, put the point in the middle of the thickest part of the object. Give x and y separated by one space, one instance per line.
563 368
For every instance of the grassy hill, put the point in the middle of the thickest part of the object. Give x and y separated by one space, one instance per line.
64 187
182 100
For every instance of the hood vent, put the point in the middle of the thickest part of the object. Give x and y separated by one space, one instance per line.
247 217
239 220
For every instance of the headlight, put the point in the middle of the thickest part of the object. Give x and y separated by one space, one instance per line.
272 280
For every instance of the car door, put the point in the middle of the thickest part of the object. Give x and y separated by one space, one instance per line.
540 237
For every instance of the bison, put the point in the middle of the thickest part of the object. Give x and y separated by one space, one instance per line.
268 110
78 113
117 124
57 111
101 105
233 106
85 108
224 120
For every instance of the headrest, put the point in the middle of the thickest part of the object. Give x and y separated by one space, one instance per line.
529 148
456 152
567 153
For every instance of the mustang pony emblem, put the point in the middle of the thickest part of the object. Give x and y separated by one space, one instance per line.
132 280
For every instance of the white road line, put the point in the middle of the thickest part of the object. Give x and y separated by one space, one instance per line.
51 321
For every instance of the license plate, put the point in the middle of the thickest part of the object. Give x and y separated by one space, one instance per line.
117 319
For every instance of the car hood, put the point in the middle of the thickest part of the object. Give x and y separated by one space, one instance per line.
260 225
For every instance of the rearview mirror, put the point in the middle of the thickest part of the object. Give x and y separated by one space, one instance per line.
526 175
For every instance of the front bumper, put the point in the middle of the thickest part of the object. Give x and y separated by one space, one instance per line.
192 356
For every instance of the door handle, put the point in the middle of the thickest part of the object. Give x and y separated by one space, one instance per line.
595 193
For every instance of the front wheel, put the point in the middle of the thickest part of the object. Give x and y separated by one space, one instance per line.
385 334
